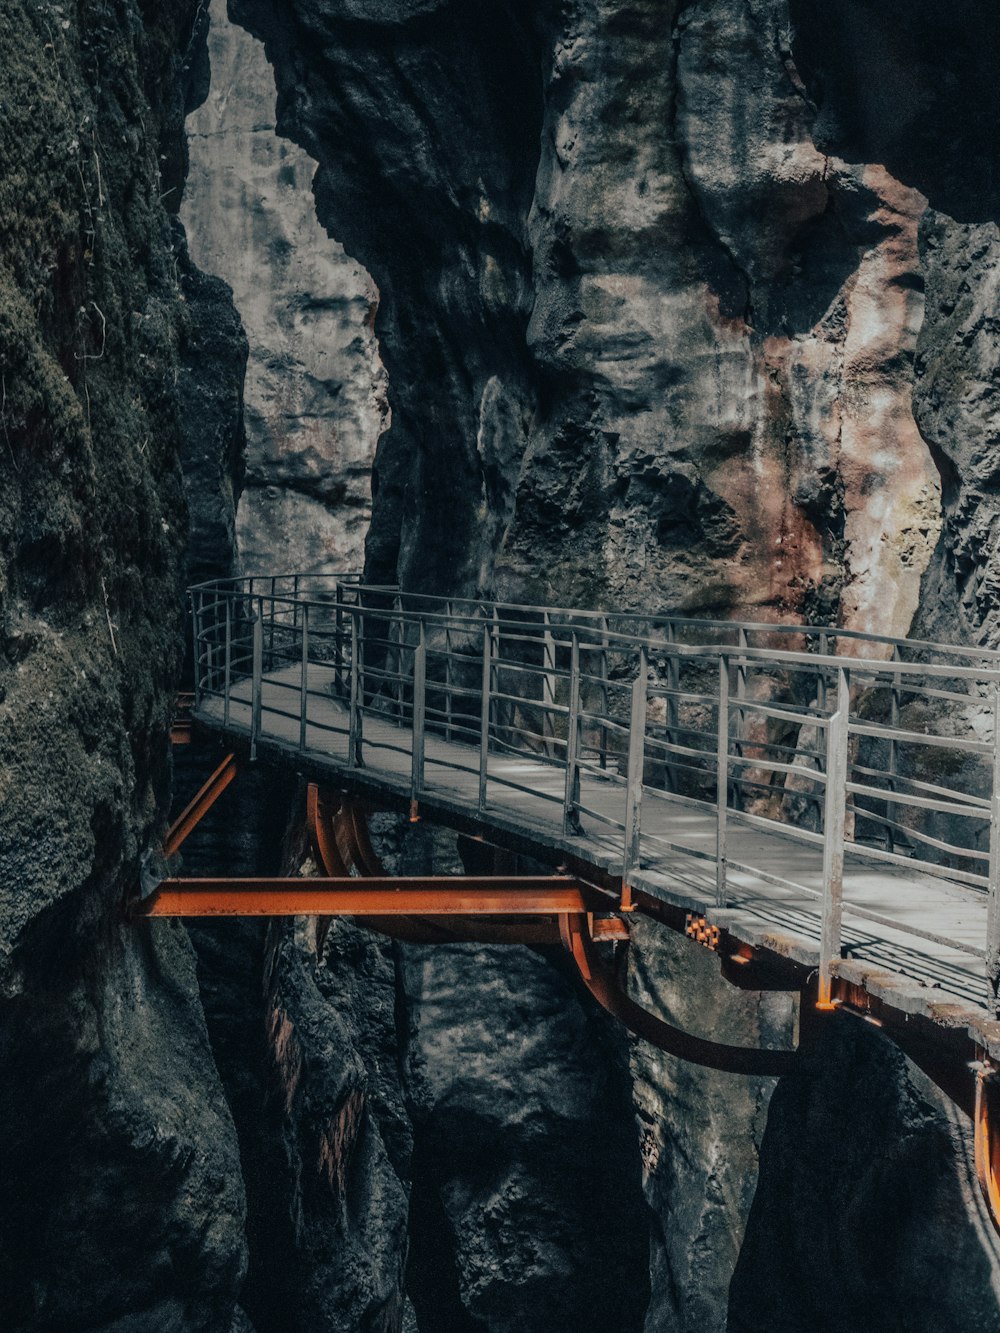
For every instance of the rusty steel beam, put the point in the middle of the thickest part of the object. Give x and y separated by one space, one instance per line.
449 895
192 815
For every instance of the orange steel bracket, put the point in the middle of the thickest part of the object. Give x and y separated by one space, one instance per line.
986 1128
192 815
604 987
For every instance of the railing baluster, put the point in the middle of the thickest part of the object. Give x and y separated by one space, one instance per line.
419 713
397 630
603 661
571 792
355 736
229 662
632 855
548 686
448 681
673 716
739 721
484 714
993 910
338 640
257 677
835 811
722 783
197 610
893 768
304 682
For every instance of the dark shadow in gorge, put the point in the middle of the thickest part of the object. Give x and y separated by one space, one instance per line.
912 87
864 1167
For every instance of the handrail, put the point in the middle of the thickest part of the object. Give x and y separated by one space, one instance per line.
764 736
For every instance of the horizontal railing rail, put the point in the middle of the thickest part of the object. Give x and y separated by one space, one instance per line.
859 744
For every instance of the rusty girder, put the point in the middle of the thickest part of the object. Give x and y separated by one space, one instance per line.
198 807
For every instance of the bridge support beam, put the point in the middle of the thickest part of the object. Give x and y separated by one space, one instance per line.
192 815
446 895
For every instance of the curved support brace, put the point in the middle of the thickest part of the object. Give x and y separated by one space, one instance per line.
986 1128
605 989
340 841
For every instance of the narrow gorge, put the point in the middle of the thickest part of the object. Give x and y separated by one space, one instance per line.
676 306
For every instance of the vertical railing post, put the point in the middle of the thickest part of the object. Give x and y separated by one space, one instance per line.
396 622
229 661
338 640
893 764
548 685
355 737
484 713
257 677
603 660
270 646
197 601
419 714
571 792
673 718
722 783
636 766
835 811
993 908
448 679
739 719
304 680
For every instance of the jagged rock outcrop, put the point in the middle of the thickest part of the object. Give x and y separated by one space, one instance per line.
666 342
314 397
122 1199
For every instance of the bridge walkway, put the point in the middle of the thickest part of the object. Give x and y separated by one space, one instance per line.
778 909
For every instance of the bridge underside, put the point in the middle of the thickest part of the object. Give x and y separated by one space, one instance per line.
586 912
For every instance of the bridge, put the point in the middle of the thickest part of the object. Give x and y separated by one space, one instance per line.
818 805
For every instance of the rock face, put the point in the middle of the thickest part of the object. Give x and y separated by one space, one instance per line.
653 315
314 396
666 341
122 1201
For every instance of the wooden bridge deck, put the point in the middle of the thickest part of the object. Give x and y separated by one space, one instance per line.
897 962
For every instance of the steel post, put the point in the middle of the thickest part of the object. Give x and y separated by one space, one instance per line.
571 792
993 912
722 782
484 714
636 764
893 764
229 661
354 757
304 680
419 711
257 680
835 810
673 715
548 685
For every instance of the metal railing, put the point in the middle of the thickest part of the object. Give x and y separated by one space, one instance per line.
838 738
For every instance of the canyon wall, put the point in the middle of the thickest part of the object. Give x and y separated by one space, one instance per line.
122 1200
668 304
